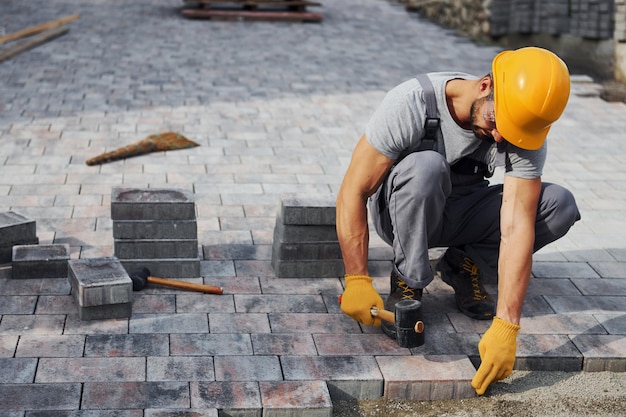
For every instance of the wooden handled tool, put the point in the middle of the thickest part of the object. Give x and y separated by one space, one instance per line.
142 277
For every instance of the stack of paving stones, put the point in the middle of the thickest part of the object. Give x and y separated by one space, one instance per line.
156 229
305 241
15 229
101 287
40 261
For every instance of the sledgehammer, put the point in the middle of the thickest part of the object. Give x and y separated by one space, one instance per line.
142 277
408 321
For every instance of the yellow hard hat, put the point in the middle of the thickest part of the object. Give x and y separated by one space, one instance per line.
531 89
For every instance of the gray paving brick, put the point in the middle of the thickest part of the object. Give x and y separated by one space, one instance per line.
182 413
40 261
165 267
308 210
110 345
250 303
40 396
547 353
32 325
12 304
152 204
8 345
190 344
602 352
150 229
167 323
51 346
18 370
348 377
239 323
313 323
288 233
16 227
115 395
99 282
271 285
53 370
156 248
237 252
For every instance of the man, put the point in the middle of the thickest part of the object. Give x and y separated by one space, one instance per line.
421 195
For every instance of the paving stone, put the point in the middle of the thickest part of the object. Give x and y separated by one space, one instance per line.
111 345
31 325
13 304
180 369
51 346
547 353
291 398
604 286
155 229
99 282
308 209
357 344
40 396
602 352
613 323
610 269
187 344
301 285
40 261
74 325
237 252
181 413
154 303
440 342
152 204
587 304
283 344
239 323
561 324
119 395
18 370
324 268
287 233
56 304
16 227
91 369
424 378
247 368
348 377
564 270
306 251
313 323
279 303
219 269
166 267
58 286
167 323
254 268
8 345
155 248
239 398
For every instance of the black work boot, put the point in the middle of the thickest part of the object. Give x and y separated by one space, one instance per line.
399 291
461 273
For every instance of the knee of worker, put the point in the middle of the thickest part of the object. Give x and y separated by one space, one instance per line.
424 171
562 210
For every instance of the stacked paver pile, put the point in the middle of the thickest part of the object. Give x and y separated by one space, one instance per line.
156 229
305 241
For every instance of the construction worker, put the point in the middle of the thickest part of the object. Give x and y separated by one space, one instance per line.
424 185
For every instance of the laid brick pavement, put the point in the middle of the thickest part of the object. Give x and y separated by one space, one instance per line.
276 108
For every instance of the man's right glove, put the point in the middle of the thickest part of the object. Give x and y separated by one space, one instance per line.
497 350
359 297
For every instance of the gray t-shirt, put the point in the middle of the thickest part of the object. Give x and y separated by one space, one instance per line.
397 128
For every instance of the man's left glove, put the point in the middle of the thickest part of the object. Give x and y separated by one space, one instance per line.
497 350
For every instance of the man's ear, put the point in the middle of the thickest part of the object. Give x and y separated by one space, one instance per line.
484 86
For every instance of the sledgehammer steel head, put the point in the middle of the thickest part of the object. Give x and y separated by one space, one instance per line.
409 324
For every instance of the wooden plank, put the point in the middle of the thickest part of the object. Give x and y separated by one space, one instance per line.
32 42
252 15
37 29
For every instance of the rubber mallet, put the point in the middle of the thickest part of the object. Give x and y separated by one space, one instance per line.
142 277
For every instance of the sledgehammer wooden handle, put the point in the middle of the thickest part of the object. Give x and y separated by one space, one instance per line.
208 289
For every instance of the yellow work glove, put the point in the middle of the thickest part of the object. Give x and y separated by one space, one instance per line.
359 297
497 350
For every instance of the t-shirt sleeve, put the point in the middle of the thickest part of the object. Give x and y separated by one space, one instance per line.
522 163
397 124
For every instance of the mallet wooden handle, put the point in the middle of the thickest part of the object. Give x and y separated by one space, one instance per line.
208 289
391 318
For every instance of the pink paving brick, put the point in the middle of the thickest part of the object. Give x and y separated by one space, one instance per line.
234 398
247 368
357 344
235 285
239 323
427 377
204 303
190 344
286 398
